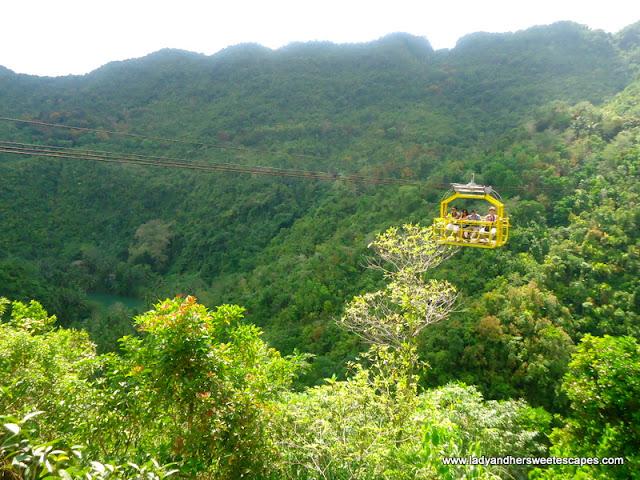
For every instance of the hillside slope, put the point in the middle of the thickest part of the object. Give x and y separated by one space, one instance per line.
507 107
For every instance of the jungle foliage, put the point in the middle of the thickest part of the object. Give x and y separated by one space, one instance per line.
548 116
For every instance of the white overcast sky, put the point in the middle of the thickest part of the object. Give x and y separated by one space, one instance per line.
61 37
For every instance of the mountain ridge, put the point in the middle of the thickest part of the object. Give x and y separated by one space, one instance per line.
529 113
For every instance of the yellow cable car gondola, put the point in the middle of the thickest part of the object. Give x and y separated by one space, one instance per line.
488 231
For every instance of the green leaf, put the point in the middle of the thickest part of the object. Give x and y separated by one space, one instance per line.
12 427
98 466
64 474
31 415
435 437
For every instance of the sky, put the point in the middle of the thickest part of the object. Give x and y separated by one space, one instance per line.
62 37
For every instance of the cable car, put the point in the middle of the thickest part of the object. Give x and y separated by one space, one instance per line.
491 231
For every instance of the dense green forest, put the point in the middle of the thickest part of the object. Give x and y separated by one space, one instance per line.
539 356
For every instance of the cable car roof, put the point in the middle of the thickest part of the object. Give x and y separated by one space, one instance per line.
473 188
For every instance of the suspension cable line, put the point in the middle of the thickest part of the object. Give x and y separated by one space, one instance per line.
163 139
137 159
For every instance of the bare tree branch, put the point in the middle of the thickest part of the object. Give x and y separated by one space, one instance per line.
394 316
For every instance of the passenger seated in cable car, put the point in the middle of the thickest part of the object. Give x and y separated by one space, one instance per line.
454 216
490 217
472 230
463 216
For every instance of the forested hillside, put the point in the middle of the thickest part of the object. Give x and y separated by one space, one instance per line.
548 116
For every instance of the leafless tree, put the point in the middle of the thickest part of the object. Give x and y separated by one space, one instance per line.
394 316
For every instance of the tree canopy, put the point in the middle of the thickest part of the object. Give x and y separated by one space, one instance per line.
547 116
